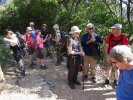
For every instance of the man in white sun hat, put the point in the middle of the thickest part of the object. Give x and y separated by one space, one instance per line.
116 37
74 55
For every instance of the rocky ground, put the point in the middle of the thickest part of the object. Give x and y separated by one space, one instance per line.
51 84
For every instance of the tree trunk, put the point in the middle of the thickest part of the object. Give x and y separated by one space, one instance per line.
121 8
128 11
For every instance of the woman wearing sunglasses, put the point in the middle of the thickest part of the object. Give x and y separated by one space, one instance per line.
122 57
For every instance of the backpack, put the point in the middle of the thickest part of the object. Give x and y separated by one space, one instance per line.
63 37
63 46
96 50
113 42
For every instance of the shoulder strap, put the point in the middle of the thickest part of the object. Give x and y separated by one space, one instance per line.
110 38
122 37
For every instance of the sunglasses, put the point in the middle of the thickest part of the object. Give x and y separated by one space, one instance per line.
114 62
90 28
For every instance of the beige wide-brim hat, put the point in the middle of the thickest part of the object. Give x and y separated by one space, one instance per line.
118 26
75 29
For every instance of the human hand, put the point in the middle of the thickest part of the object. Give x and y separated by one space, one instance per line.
92 39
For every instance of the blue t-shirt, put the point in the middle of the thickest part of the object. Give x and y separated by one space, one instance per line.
124 89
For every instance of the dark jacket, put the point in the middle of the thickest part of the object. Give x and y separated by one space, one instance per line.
88 49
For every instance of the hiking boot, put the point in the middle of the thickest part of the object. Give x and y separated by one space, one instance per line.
22 72
85 77
72 86
47 55
43 67
93 79
115 83
106 82
51 56
62 59
57 64
32 65
76 82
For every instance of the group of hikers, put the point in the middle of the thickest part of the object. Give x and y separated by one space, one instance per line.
85 50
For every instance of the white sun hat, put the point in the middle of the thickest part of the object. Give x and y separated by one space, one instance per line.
56 26
29 29
75 29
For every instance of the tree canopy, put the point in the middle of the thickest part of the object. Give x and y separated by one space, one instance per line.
66 13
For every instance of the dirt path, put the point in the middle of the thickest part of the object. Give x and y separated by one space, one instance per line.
51 84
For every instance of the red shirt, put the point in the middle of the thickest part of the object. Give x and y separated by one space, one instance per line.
108 40
29 40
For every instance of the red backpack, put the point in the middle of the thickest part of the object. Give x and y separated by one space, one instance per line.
113 42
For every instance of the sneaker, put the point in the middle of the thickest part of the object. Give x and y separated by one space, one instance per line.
72 86
43 67
77 82
106 82
93 79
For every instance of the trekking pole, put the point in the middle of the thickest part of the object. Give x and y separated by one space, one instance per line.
82 75
83 83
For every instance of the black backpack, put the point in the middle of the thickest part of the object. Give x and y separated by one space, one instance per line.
63 46
96 50
63 37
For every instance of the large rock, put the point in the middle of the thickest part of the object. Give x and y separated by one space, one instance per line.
1 75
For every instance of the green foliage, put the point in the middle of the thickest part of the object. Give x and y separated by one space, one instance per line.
66 13
4 52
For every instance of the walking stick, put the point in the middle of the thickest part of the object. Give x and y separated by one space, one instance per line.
82 74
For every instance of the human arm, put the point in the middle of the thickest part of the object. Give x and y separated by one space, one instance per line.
86 39
81 50
90 41
57 37
14 41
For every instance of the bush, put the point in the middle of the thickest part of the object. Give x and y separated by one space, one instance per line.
4 52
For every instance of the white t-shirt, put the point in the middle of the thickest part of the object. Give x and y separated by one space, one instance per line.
58 36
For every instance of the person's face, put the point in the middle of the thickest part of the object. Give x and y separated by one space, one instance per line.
29 32
119 64
75 34
116 31
90 29
32 26
44 27
55 29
